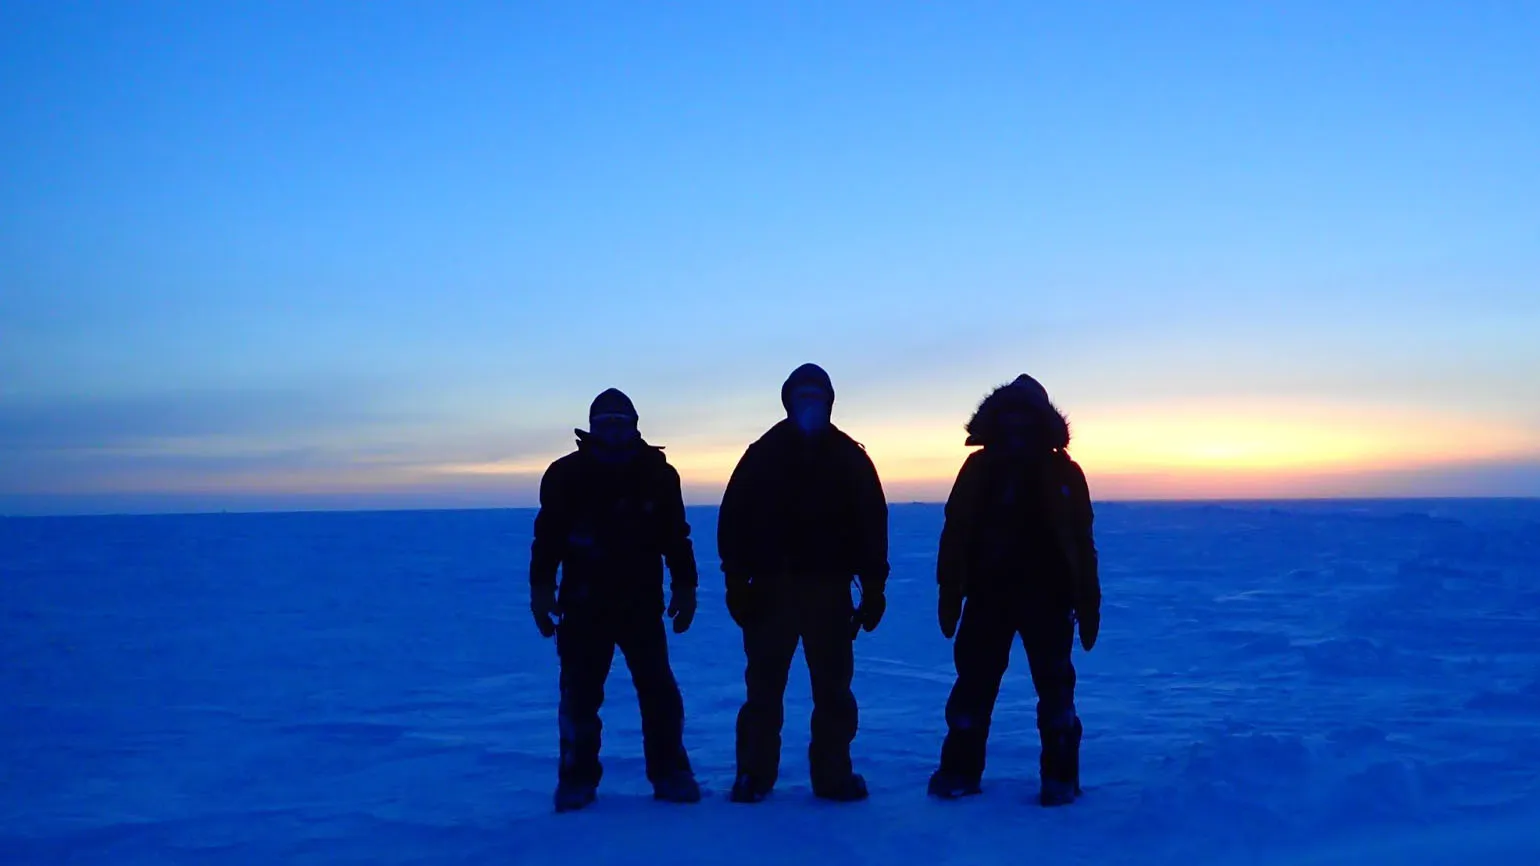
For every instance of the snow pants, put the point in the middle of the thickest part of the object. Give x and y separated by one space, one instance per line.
586 643
819 615
982 652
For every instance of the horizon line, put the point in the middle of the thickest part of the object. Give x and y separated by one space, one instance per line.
1217 500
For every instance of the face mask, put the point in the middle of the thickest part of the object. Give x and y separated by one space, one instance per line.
810 417
613 432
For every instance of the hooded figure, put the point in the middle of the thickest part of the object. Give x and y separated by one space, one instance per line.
1017 557
611 514
802 519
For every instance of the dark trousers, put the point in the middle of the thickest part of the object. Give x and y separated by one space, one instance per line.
586 643
819 615
982 652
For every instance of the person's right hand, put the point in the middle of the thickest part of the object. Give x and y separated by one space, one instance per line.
1090 626
681 608
949 611
542 603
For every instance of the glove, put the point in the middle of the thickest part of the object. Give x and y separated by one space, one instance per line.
949 611
874 602
1090 624
542 603
681 608
743 603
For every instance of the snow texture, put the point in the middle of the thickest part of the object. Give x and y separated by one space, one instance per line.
1326 683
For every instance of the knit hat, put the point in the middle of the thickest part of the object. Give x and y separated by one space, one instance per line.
611 402
803 376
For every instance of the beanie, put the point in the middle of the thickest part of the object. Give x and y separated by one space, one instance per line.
611 402
807 374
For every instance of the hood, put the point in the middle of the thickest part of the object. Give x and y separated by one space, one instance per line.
982 428
807 374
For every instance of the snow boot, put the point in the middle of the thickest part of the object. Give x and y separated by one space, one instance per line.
1056 792
679 787
747 789
950 786
572 796
849 789
1059 765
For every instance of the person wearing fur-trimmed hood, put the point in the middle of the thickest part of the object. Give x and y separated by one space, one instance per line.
1017 557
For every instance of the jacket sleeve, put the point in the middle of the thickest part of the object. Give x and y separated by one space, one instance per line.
873 567
551 528
678 549
952 556
1088 595
735 521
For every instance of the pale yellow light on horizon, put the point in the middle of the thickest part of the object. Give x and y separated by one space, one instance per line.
1160 451
521 466
1218 451
1164 445
1289 437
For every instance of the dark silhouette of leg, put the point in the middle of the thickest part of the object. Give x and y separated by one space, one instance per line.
981 653
769 644
645 647
1049 640
829 647
586 649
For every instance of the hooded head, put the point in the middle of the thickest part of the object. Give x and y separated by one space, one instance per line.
611 423
612 403
1019 416
808 397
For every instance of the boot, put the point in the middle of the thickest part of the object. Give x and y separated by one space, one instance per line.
748 789
1059 765
572 796
848 789
1056 792
951 786
679 787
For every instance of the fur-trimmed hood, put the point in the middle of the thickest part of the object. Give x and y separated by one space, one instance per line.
983 427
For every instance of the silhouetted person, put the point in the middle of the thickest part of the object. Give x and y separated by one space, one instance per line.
802 518
610 514
1017 545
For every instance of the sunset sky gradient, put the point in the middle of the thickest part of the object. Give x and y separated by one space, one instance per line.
317 255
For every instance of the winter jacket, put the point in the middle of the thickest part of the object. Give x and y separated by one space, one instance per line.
610 528
1021 520
806 509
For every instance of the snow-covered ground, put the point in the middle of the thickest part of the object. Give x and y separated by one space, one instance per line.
1276 684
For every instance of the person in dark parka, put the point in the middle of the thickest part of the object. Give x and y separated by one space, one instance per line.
611 513
803 517
1017 557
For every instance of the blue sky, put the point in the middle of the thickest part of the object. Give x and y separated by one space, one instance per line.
347 254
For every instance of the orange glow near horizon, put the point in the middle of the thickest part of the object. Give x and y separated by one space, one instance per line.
1148 452
1155 452
1288 438
1231 452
